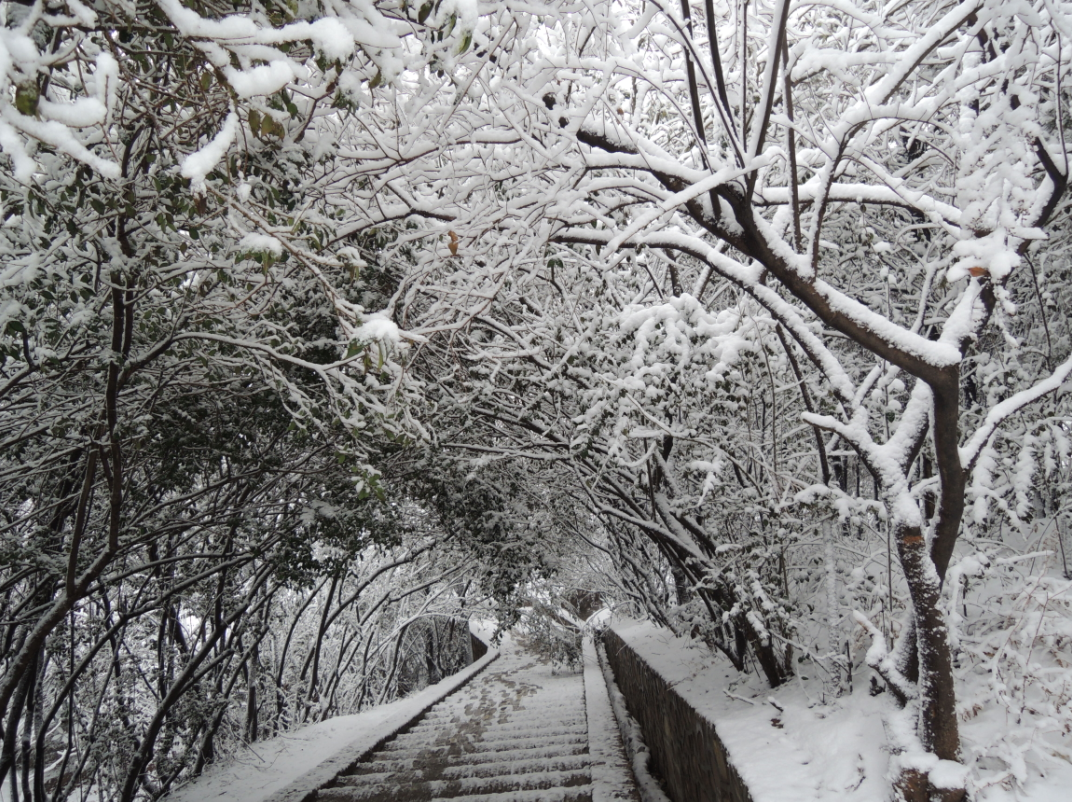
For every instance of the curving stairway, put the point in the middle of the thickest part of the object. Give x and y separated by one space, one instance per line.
515 733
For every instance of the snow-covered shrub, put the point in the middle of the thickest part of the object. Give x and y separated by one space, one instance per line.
552 636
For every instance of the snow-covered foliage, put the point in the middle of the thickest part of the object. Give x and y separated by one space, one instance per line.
195 548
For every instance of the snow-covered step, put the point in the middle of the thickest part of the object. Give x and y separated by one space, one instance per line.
460 750
413 788
575 794
548 753
518 724
548 727
509 715
473 710
579 793
382 770
508 719
503 734
542 752
519 765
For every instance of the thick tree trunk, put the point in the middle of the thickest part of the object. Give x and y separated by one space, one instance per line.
938 728
927 656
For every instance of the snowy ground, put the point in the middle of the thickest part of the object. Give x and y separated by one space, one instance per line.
789 746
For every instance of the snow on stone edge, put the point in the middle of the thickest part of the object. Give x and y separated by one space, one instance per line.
609 771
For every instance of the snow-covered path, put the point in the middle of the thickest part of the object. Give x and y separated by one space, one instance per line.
515 733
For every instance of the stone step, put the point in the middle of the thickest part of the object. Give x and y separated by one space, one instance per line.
580 793
489 732
395 787
466 743
476 705
520 766
532 718
517 734
506 714
382 769
474 758
443 711
503 725
498 708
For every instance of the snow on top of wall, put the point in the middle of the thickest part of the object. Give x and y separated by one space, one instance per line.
797 754
829 751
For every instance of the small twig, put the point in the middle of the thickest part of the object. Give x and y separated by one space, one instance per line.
738 698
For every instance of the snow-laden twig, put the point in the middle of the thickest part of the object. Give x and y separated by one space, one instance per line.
999 413
879 659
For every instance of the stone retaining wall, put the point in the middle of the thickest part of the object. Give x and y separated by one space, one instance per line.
686 751
479 648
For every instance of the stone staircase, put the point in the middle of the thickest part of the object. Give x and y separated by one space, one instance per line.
516 733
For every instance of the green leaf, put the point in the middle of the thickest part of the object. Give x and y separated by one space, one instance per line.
424 11
26 98
271 127
254 121
465 43
377 79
